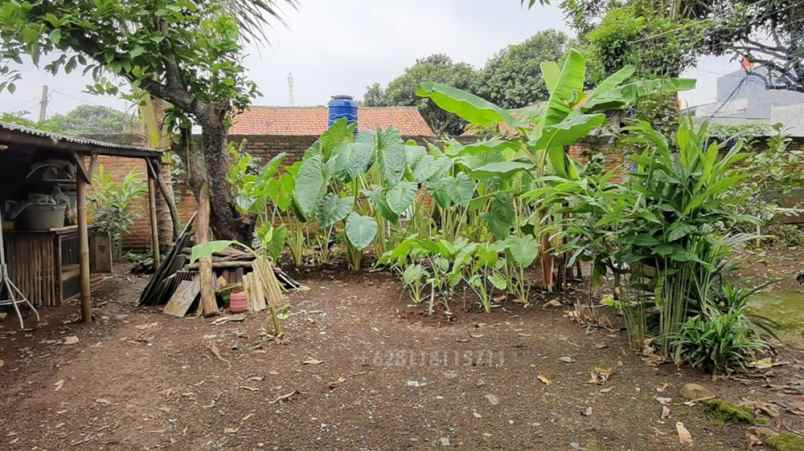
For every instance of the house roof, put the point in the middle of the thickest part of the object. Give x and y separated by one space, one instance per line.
312 121
16 135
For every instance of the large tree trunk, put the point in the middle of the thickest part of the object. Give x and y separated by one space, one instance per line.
226 222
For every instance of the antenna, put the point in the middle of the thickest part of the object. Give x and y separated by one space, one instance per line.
291 101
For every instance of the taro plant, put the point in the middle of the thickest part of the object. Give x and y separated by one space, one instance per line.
415 277
521 251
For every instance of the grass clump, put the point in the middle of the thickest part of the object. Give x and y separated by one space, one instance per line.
725 412
786 442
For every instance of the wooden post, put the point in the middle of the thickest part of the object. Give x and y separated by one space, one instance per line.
154 224
83 246
210 305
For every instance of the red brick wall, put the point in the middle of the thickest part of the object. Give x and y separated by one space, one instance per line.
139 235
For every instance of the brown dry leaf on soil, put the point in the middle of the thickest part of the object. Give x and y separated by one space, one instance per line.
684 436
312 361
544 380
600 376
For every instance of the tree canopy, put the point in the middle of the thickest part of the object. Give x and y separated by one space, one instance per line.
666 36
513 77
82 120
186 52
435 68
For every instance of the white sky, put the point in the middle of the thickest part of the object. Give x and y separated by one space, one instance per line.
342 49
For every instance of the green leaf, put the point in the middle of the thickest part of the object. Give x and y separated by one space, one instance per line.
501 168
341 132
635 90
401 196
461 190
467 106
679 230
352 160
607 92
523 249
501 216
277 243
413 274
550 73
360 230
498 281
334 209
568 89
211 247
392 161
570 130
310 186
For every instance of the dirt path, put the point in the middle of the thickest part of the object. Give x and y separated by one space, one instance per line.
377 376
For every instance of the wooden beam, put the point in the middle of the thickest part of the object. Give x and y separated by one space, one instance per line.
87 176
83 246
174 214
208 302
154 223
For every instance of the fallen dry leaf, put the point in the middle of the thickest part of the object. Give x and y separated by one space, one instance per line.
70 340
684 436
285 397
336 382
600 376
58 384
665 412
544 380
312 361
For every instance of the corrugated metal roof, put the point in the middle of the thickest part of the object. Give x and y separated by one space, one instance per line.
91 145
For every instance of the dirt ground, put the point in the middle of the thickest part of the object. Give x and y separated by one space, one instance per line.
358 370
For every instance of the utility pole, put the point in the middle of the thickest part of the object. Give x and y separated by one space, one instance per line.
290 89
43 105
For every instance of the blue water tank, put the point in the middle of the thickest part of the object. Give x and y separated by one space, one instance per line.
341 106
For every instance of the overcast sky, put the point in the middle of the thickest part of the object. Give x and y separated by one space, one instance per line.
342 47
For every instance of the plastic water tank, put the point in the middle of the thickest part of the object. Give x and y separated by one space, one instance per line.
341 106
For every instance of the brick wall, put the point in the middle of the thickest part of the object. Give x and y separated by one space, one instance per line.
139 235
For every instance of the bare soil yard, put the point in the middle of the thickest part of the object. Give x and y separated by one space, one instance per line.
358 370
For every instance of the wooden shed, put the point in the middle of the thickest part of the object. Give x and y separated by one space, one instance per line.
44 181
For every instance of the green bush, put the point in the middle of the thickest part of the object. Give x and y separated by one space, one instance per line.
111 202
722 338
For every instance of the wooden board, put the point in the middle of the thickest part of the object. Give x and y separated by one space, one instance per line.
183 298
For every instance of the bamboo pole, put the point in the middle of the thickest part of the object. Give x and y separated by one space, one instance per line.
210 305
83 245
154 224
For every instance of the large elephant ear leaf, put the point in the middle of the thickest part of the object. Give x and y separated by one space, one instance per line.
501 216
462 190
523 249
339 133
401 196
310 186
360 230
352 160
393 161
334 209
469 107
210 247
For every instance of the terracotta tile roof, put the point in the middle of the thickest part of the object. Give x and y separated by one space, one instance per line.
312 121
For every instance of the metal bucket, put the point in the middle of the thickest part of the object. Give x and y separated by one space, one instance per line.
41 217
